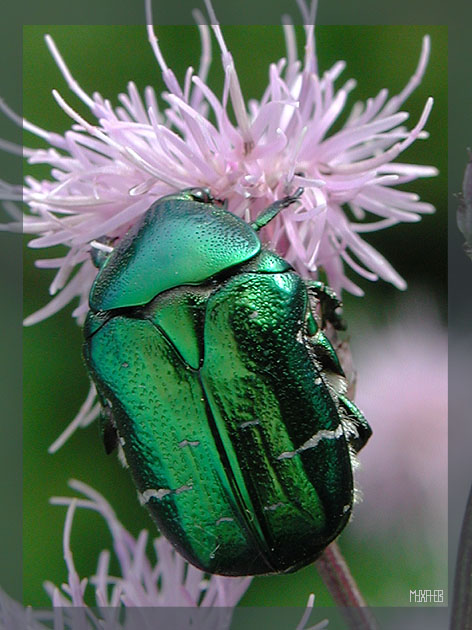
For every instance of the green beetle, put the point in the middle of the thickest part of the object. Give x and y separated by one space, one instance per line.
222 390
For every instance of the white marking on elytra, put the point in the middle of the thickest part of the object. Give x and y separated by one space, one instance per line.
323 434
160 493
183 489
189 443
346 508
224 519
249 423
148 494
274 506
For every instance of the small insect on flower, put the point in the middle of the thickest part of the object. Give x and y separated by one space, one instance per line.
221 388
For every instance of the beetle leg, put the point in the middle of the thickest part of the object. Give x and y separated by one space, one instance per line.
359 430
108 428
325 353
329 303
273 210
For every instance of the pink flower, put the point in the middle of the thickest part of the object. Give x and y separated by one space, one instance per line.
166 581
108 169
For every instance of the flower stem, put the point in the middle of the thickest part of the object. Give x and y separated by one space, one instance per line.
345 592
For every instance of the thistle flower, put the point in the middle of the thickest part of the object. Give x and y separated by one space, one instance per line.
107 170
169 581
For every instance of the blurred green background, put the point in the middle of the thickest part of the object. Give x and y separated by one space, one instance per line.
104 59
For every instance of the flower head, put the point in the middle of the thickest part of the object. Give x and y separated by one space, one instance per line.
186 596
108 169
168 581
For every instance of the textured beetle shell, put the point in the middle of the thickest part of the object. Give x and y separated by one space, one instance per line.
222 401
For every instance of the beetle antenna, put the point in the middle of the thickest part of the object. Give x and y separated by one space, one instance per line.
273 210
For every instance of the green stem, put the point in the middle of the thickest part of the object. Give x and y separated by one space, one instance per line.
344 590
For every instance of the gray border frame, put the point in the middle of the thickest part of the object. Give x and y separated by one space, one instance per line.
457 15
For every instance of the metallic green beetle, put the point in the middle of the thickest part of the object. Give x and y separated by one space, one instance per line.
217 381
